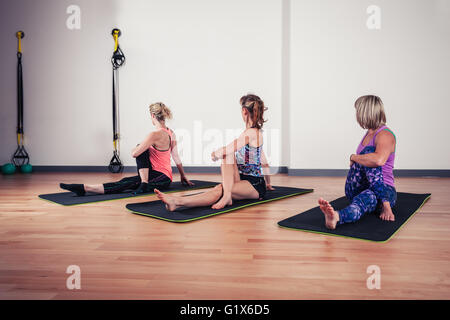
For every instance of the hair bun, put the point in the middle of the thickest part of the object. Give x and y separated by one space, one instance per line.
160 111
256 107
166 112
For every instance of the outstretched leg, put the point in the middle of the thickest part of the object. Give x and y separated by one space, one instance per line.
355 184
363 203
138 183
331 216
128 183
78 189
174 202
241 190
219 196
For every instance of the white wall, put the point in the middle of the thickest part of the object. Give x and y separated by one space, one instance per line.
67 82
200 56
335 58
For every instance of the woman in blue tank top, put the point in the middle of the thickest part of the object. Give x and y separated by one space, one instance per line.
244 165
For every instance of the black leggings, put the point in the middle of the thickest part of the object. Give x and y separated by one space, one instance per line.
156 179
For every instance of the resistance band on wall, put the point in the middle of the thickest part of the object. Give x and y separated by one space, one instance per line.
117 60
20 157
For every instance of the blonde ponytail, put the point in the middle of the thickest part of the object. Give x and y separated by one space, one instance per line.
160 111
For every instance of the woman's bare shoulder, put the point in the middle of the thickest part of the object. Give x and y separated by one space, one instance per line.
255 136
386 135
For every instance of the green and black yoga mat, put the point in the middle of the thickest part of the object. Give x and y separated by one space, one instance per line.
370 227
156 209
71 199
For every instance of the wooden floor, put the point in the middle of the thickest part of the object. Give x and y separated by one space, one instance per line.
239 255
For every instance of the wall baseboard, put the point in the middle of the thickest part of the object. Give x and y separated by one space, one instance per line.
422 173
282 169
127 169
187 169
343 173
318 172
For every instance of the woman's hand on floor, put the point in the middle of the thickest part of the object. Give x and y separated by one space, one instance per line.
185 181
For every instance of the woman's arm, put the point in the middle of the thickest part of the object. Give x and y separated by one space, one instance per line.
385 145
177 160
144 145
266 170
232 147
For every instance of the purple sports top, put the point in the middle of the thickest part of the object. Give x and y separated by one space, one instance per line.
388 167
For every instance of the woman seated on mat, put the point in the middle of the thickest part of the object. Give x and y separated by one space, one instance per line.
152 159
370 181
243 163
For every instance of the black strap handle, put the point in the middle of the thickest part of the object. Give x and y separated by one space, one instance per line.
118 58
115 165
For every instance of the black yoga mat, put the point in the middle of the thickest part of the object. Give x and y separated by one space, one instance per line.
370 227
157 209
71 199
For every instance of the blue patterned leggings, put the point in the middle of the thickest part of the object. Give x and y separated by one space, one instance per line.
366 191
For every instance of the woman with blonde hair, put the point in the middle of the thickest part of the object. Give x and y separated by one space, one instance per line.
370 182
152 158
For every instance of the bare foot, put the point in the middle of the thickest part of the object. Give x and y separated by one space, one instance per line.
170 201
386 212
223 202
331 216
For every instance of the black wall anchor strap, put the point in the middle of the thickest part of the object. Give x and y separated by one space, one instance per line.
20 157
117 60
